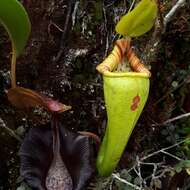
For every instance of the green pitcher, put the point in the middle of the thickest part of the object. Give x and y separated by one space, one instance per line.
125 96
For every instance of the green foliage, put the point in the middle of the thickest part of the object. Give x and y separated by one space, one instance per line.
15 20
184 164
139 21
173 134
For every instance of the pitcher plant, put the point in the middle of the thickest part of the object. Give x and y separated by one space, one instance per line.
126 85
125 96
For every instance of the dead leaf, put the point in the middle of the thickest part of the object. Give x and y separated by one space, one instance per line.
24 98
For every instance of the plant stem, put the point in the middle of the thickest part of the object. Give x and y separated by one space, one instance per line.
171 13
13 68
163 150
132 4
173 119
126 182
9 131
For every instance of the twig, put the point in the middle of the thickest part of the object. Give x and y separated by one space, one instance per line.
162 173
132 4
172 12
75 13
9 131
154 171
139 172
56 26
162 150
157 173
106 31
66 26
126 182
171 155
151 163
172 119
111 183
152 48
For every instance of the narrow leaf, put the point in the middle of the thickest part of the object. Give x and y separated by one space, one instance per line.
139 21
15 20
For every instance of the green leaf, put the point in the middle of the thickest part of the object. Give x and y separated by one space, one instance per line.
184 164
139 21
15 20
187 140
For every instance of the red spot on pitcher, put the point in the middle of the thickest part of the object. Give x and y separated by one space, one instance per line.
135 103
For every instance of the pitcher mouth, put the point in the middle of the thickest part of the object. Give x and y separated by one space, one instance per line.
120 51
125 74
